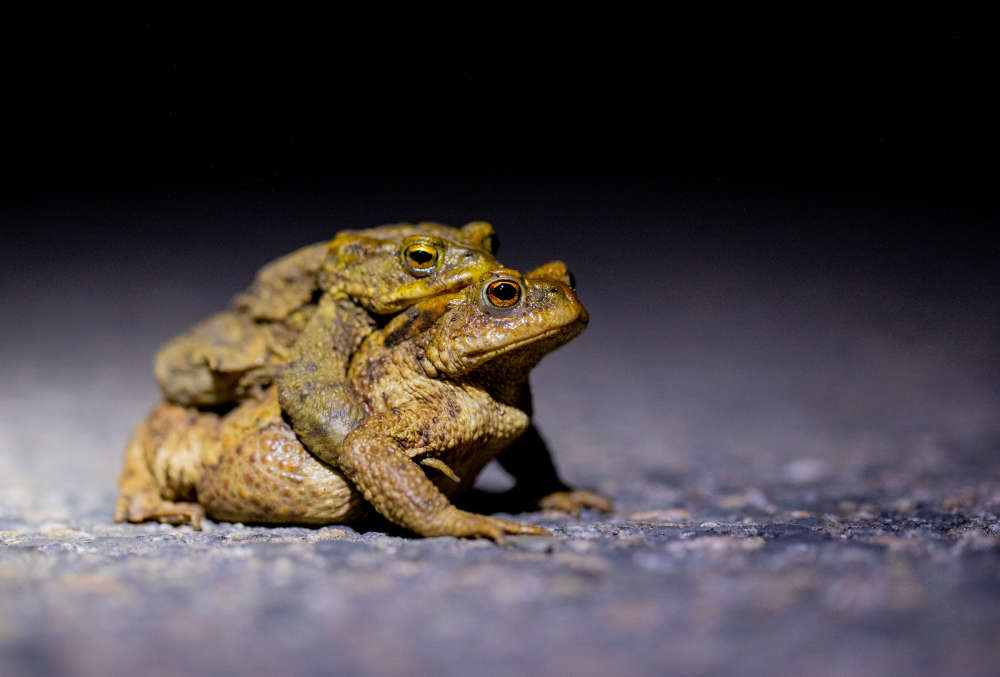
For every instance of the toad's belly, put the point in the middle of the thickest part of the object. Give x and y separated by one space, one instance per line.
487 428
463 464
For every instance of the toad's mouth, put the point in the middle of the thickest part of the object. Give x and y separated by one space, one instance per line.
486 355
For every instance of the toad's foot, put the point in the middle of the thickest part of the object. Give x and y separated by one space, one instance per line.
573 501
455 522
146 506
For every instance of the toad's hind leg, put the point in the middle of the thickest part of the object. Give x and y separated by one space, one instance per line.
162 466
263 474
208 365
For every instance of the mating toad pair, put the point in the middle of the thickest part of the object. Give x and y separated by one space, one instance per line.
383 369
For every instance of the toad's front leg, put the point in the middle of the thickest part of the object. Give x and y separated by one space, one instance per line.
400 491
312 387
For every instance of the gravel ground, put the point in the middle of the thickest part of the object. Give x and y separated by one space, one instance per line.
884 574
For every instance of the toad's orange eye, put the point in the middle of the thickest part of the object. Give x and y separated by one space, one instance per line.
421 256
503 293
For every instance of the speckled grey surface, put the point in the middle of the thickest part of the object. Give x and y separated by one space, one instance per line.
804 458
697 580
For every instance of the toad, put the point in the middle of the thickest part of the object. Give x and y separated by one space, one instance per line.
437 393
360 273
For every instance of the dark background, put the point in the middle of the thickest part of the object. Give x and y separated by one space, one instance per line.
734 199
190 95
782 227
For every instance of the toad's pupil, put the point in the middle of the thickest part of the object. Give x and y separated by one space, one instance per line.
505 291
421 256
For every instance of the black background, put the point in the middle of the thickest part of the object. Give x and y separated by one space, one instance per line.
182 94
782 225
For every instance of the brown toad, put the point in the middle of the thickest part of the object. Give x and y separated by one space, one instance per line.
439 391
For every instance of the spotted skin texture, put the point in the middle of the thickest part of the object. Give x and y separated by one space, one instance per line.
238 353
263 474
414 416
245 466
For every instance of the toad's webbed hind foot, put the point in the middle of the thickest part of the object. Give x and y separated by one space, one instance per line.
146 506
572 501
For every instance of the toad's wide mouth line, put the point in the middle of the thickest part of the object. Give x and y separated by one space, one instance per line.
529 339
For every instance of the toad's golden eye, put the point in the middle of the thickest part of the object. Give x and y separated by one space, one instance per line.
421 256
503 293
